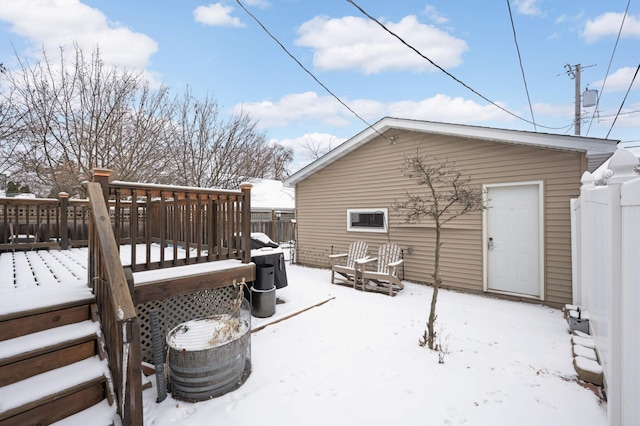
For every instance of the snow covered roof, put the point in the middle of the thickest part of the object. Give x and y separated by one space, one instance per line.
590 146
269 194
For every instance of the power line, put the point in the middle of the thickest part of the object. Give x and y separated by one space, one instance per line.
609 67
526 88
442 69
619 113
307 70
623 100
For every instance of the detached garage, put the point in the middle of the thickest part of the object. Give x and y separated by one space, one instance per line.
520 246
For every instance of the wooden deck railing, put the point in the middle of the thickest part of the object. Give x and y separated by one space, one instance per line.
172 226
119 321
186 225
35 223
164 226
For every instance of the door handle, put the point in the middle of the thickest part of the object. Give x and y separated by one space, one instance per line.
490 244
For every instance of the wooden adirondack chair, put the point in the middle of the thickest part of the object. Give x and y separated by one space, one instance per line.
385 278
345 263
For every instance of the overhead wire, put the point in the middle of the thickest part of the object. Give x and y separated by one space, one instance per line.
307 70
623 100
275 39
365 13
524 79
615 46
620 113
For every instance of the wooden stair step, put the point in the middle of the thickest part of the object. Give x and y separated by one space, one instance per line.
40 321
26 356
23 346
80 384
100 414
16 304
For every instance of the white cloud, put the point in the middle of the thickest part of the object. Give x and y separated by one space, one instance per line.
327 111
608 25
302 154
629 118
619 81
308 106
528 7
51 24
217 15
444 108
432 13
357 43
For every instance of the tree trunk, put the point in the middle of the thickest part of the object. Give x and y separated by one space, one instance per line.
431 323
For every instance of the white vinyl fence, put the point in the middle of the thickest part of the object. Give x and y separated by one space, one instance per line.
606 271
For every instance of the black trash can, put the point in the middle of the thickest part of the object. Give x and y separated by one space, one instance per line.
265 278
263 302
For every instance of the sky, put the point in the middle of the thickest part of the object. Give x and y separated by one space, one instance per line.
315 73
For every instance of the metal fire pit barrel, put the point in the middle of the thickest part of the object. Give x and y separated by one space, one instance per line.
197 375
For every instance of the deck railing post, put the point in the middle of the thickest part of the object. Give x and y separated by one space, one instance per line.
246 221
102 176
63 198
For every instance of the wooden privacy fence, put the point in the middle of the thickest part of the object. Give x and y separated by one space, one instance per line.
279 226
606 270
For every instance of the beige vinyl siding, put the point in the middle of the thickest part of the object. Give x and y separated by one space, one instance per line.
371 177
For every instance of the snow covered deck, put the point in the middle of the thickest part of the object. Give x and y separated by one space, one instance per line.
37 278
34 279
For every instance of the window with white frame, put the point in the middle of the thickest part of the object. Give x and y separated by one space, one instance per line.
367 220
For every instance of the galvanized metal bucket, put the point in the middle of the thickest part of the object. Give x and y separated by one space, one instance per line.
208 372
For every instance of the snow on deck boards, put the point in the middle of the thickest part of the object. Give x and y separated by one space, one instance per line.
144 277
40 297
35 268
38 278
100 414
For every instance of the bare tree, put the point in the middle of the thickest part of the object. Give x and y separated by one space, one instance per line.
446 195
82 114
210 152
280 158
317 149
62 118
139 152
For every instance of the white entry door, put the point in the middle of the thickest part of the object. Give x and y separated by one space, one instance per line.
513 239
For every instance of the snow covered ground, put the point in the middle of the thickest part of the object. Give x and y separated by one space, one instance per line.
355 360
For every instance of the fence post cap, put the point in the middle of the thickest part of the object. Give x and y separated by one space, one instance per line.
63 195
587 179
246 185
622 164
97 171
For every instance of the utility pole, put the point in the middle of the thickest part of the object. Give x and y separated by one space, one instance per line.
574 74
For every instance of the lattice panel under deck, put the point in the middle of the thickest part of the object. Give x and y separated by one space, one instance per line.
182 308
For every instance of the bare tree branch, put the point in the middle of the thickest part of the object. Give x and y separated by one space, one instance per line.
59 119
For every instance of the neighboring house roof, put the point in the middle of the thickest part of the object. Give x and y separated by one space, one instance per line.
590 146
268 194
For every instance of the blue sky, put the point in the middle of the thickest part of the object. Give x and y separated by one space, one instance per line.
218 49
